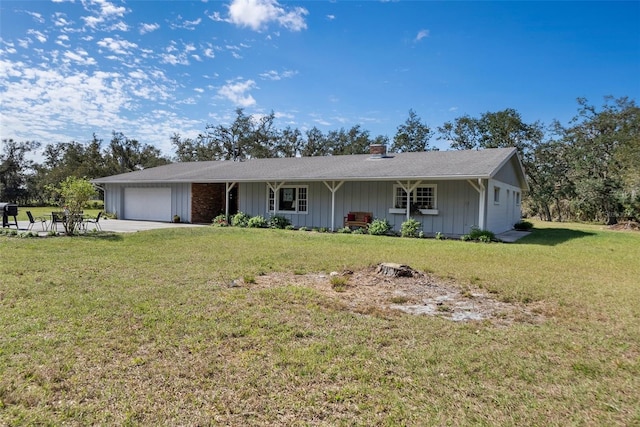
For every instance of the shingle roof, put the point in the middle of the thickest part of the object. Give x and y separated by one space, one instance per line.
437 165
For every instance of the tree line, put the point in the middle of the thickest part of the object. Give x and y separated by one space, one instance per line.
588 170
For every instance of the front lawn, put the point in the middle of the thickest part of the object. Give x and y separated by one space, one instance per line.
158 328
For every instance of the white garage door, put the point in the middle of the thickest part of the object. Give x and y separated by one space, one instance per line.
151 204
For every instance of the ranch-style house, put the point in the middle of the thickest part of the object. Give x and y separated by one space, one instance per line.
446 191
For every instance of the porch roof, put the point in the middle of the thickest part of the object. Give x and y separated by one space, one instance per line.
429 165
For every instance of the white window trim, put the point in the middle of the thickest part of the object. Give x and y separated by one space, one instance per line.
433 210
496 195
276 201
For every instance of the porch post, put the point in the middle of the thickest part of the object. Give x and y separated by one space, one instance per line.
333 187
228 187
407 190
274 187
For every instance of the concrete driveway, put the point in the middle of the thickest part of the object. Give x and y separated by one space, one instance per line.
116 225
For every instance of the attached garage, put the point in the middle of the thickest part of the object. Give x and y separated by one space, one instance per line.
148 204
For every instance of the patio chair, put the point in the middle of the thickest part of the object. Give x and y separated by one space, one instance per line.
95 222
32 220
56 218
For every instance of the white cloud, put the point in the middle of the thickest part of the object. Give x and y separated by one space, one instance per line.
38 35
118 46
59 20
147 28
184 24
331 17
422 34
62 41
236 92
103 11
36 17
80 56
274 75
258 14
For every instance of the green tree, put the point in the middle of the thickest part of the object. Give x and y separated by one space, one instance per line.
600 141
354 141
128 155
462 134
15 170
316 144
74 194
413 135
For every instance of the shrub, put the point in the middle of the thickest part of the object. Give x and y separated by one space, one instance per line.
240 219
278 221
344 230
379 227
478 235
523 226
220 221
257 222
359 231
410 228
303 229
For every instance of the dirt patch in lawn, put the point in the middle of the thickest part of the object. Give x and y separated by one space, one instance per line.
626 226
369 292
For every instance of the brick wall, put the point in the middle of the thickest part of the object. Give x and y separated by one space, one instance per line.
207 202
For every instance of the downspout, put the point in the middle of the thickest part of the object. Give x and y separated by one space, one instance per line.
333 188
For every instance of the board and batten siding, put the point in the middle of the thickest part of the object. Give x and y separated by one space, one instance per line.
180 198
504 213
457 204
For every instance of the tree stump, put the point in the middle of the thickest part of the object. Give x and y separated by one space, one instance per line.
396 270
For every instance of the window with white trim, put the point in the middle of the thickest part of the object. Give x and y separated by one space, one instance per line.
496 195
291 199
517 198
422 197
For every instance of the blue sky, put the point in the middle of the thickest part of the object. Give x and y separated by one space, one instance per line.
150 69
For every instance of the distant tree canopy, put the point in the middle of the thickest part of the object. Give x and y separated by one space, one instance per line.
588 170
249 137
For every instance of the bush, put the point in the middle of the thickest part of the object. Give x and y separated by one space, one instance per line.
523 226
344 230
220 221
257 222
278 221
379 227
240 219
410 228
479 235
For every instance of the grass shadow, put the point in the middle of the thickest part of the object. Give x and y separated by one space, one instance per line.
552 236
101 235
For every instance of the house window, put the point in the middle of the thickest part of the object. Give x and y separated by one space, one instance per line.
496 195
423 197
291 199
517 198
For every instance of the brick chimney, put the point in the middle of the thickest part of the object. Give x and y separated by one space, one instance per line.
378 151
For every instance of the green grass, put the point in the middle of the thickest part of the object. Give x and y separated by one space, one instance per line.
143 329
